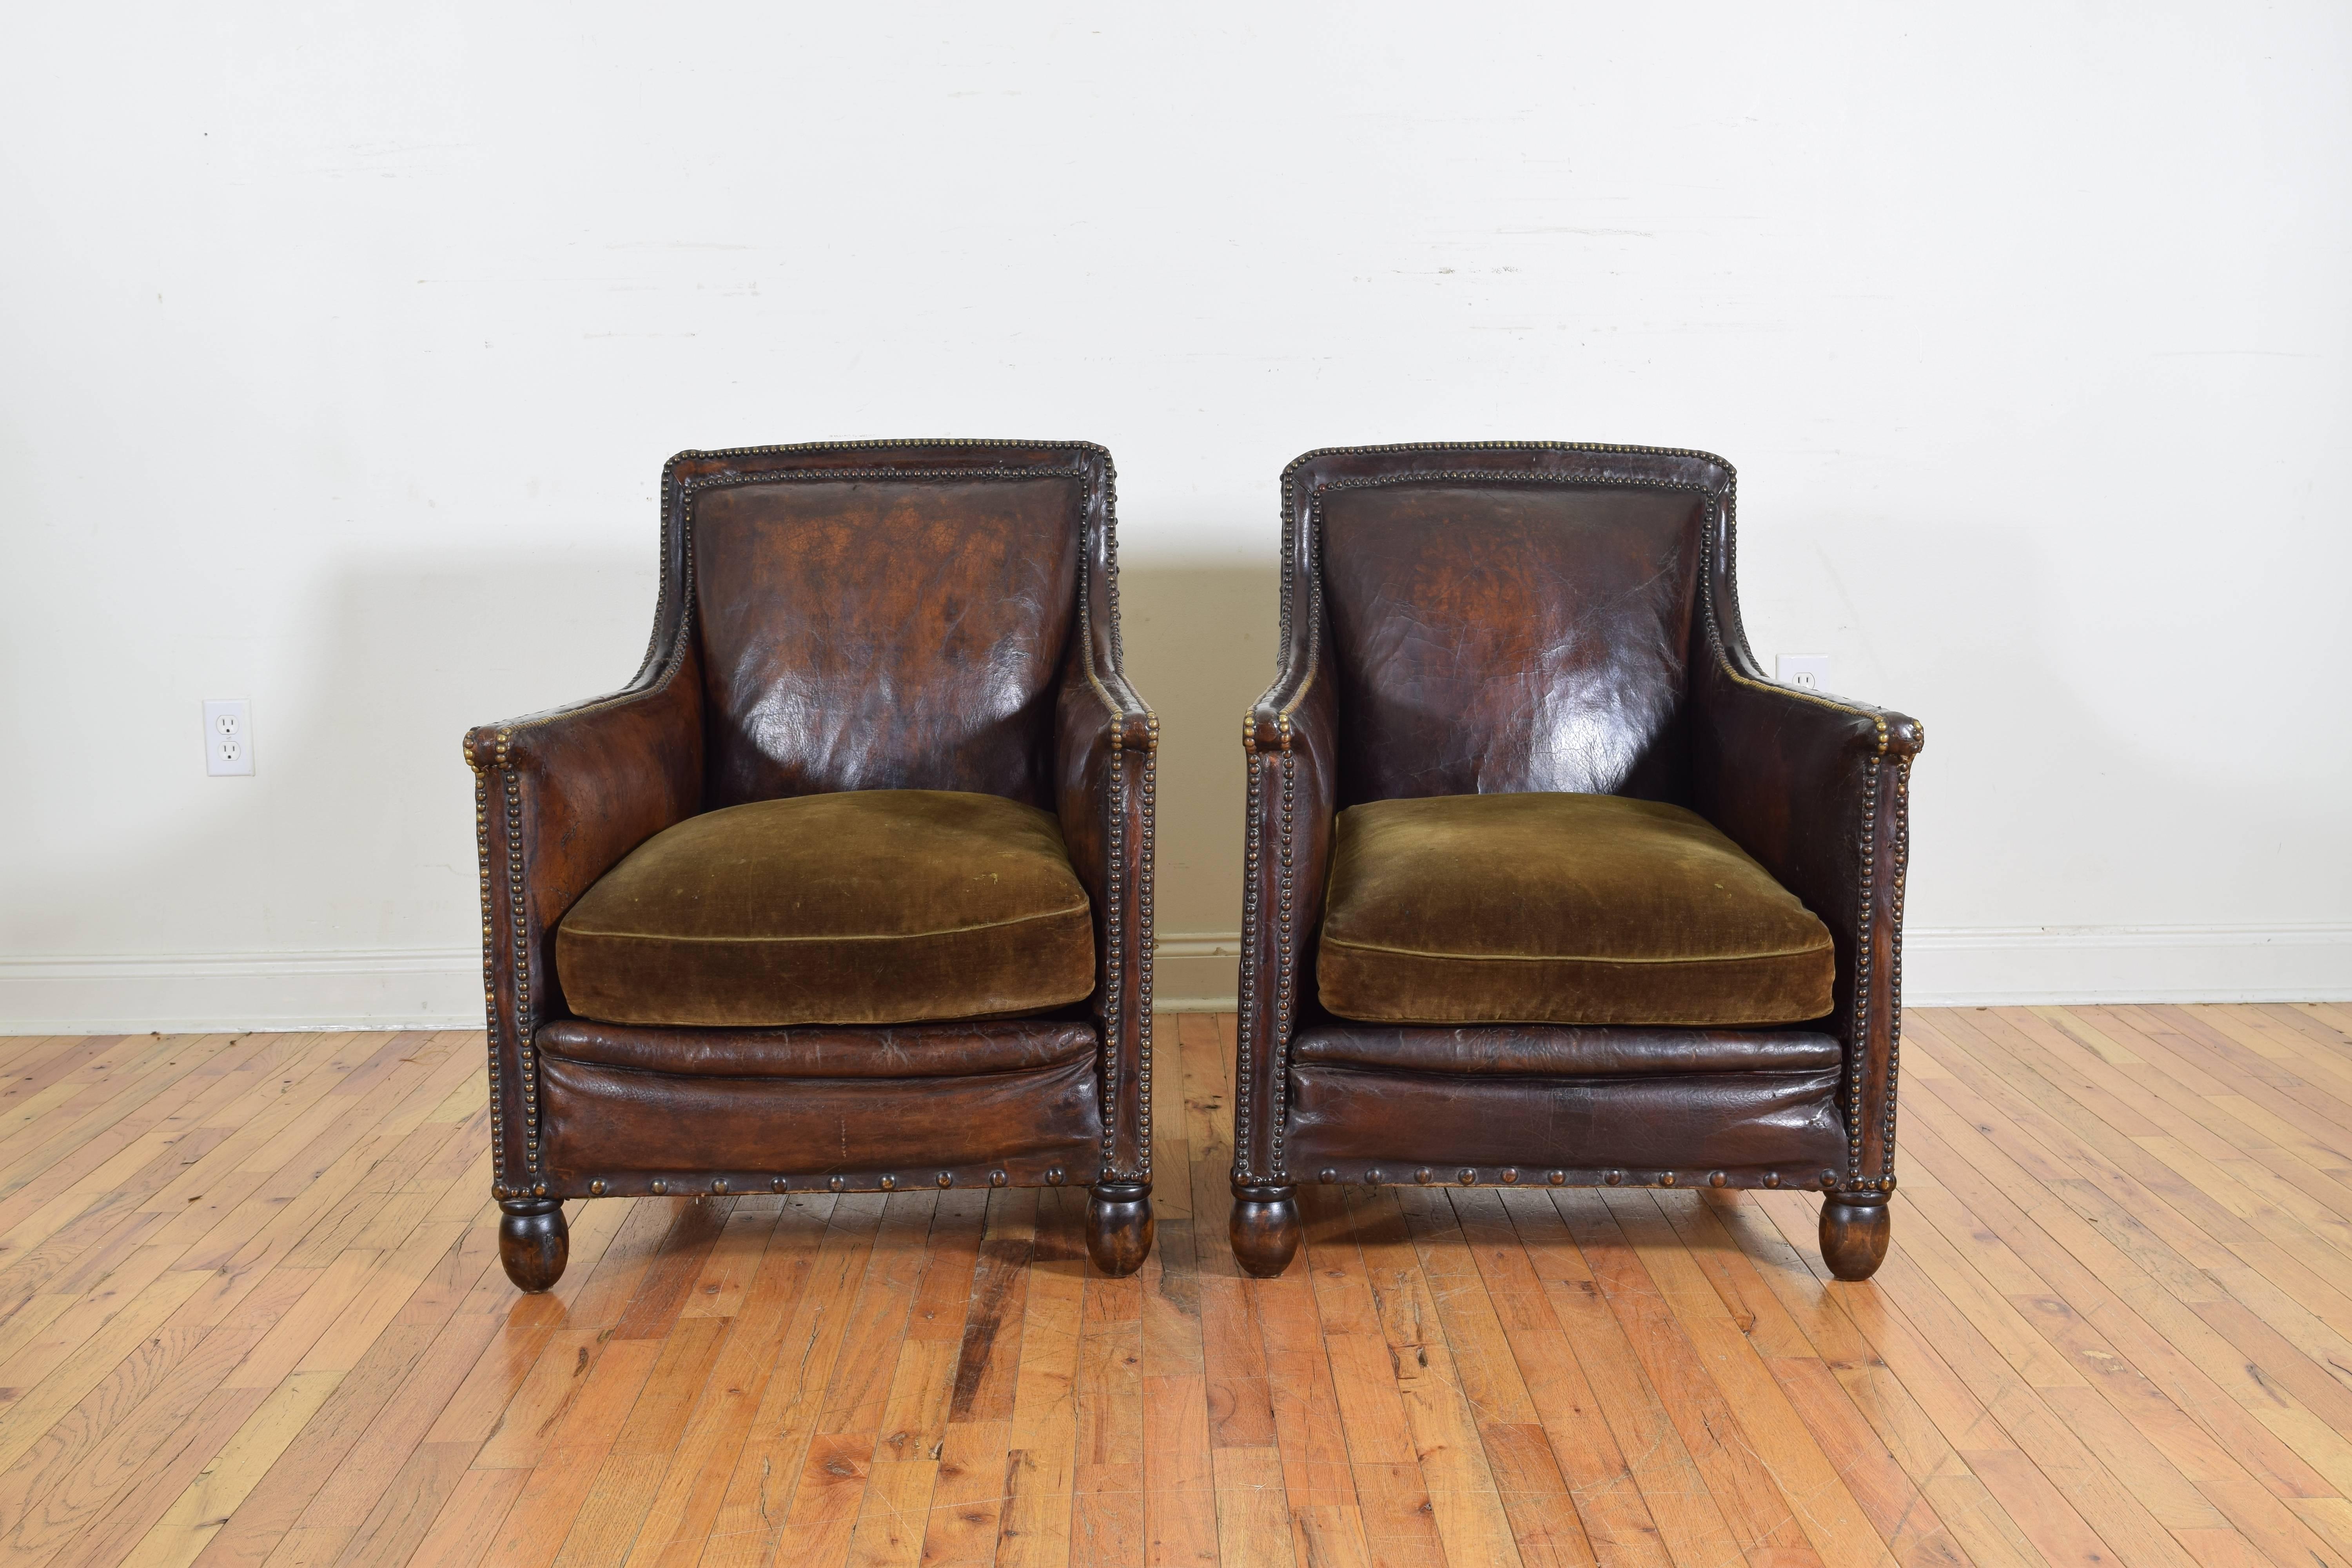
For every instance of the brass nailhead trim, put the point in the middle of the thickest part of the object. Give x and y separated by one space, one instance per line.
889 1183
718 1183
1715 1178
1510 1177
1771 1178
1422 1175
1329 1175
944 1179
1557 1178
659 1186
1666 1179
779 1184
596 1188
1614 1177
1467 1177
838 1184
1055 1175
996 1178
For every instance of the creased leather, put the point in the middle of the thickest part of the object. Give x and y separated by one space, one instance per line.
906 1050
884 633
1779 1120
602 1121
1498 638
1540 1049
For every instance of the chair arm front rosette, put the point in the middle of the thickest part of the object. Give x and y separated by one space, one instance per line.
558 798
1817 790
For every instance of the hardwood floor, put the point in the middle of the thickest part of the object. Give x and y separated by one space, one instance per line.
251 1314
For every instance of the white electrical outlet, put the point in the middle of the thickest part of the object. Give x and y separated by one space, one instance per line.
1808 671
228 736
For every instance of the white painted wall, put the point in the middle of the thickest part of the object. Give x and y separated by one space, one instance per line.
340 347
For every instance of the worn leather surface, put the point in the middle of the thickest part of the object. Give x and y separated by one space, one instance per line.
907 1050
565 794
1784 1120
604 1122
1494 638
1811 786
860 906
1542 1050
1566 909
884 633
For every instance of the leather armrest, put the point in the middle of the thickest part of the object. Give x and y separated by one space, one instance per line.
1817 790
1289 739
558 798
1107 747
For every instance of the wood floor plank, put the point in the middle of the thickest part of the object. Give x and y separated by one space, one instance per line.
251 1315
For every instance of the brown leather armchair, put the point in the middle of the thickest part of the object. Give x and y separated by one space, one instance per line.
850 888
1546 883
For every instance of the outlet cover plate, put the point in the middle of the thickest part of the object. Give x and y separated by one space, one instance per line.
1806 671
229 737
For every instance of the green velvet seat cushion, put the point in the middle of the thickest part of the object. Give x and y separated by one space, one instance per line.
1560 909
891 906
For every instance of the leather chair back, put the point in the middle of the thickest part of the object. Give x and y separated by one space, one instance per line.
889 618
1506 620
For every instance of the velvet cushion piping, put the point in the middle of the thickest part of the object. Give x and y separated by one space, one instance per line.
864 907
1560 908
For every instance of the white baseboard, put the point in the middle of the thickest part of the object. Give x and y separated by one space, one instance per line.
441 988
2009 966
209 993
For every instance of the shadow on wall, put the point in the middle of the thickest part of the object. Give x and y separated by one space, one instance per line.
1200 644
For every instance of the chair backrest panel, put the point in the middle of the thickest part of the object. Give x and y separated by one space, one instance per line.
871 629
1509 633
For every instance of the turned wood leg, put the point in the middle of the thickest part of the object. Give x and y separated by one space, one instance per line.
1118 1227
533 1241
1264 1227
1854 1230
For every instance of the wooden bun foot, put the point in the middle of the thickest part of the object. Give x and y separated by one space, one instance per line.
534 1244
1264 1229
1118 1227
1854 1231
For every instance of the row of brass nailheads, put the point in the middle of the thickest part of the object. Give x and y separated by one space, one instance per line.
489 970
1862 965
1144 957
1287 969
1895 970
1245 1027
1731 476
1856 1182
1508 1176
659 1186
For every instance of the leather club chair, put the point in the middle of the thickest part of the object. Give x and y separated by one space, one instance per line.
850 888
1547 884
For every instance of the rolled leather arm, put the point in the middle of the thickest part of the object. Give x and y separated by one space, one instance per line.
1817 790
558 798
1106 749
1289 741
